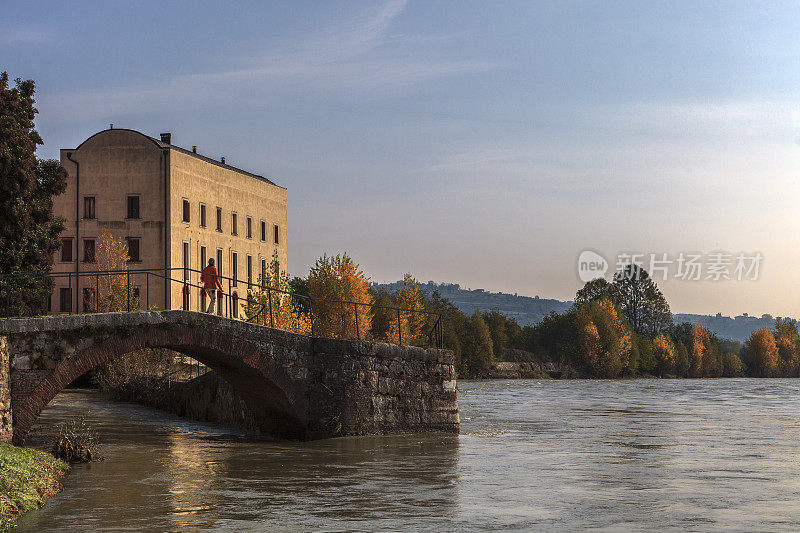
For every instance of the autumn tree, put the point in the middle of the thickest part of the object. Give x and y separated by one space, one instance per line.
666 358
111 292
411 302
760 353
788 343
29 233
641 301
339 278
606 341
270 302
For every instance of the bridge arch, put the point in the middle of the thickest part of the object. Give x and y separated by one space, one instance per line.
277 400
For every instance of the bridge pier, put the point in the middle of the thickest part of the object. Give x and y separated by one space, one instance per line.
299 387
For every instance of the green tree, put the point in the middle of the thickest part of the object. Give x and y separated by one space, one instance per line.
597 289
28 230
477 353
640 300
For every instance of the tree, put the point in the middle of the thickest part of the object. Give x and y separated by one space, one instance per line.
640 300
788 343
666 358
29 233
339 278
496 323
606 341
411 320
477 353
111 291
272 293
760 353
597 289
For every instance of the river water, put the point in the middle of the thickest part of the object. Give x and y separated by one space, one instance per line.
532 455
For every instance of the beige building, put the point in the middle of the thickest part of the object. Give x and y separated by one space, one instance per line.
175 208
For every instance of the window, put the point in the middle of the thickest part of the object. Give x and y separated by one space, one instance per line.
263 272
202 257
249 227
89 303
219 219
275 234
203 304
249 269
235 305
219 303
88 251
133 207
65 299
202 215
185 298
66 250
89 207
219 262
187 211
186 264
234 266
263 231
133 249
234 225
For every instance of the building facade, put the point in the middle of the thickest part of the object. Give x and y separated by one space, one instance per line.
175 209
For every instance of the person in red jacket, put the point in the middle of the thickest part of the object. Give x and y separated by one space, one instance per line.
211 285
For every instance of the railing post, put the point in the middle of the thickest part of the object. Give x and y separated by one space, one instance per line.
399 329
128 291
147 290
271 317
69 284
96 292
358 331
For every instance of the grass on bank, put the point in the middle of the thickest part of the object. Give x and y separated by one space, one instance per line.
27 478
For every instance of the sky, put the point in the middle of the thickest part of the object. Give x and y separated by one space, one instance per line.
481 143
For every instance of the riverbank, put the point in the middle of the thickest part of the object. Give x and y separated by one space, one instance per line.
27 478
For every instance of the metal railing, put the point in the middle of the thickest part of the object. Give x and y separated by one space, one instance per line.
133 288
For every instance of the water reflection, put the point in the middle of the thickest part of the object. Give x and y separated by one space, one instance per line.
167 474
628 455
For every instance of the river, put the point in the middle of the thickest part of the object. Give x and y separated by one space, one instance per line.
532 455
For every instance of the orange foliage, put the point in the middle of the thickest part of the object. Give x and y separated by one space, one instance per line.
339 278
761 353
408 297
664 352
286 312
606 340
112 290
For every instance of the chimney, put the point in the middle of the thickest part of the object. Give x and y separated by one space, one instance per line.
194 149
222 159
166 138
112 126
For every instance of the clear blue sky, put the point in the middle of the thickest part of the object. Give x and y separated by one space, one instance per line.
485 143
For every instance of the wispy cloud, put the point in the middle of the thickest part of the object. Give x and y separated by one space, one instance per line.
352 59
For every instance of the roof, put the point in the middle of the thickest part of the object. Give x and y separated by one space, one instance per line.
167 146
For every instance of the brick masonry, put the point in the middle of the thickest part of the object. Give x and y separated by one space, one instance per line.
295 386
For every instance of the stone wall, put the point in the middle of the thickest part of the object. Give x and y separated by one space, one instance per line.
6 421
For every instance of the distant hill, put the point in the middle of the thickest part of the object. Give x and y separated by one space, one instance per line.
527 310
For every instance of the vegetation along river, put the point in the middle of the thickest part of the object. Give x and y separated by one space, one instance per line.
628 455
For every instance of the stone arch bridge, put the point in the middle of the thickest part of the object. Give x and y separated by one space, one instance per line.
296 386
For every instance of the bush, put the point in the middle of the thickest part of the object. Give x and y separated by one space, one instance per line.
76 442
